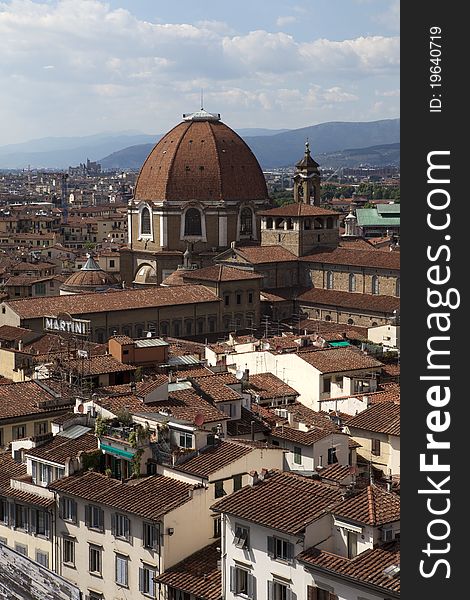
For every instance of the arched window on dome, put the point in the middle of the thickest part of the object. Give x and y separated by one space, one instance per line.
192 222
145 222
375 284
246 221
329 280
352 282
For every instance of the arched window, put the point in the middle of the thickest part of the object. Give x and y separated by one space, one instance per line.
290 224
350 322
352 282
327 318
145 227
375 284
246 221
329 280
164 328
192 222
189 327
397 287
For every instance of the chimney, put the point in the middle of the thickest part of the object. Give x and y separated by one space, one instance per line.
20 345
263 474
252 428
254 479
232 245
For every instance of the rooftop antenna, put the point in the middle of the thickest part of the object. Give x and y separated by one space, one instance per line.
202 98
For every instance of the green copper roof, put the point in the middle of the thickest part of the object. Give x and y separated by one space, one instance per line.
370 217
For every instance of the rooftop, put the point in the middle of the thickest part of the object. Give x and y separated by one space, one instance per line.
383 417
338 360
364 302
372 506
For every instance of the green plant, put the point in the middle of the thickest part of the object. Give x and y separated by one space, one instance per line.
108 472
91 461
124 417
135 464
100 426
133 439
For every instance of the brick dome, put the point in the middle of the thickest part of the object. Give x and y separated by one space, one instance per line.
201 159
90 278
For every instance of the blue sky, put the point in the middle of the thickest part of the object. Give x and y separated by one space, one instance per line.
78 67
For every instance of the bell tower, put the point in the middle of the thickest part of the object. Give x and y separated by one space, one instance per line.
307 180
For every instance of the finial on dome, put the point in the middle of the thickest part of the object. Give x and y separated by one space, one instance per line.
307 147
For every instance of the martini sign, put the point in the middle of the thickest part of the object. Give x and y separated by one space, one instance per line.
65 323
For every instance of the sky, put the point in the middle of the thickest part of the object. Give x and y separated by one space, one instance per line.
81 67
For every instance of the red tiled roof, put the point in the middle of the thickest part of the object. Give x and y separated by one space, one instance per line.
265 254
383 417
148 497
337 360
213 458
359 258
283 501
367 567
201 160
82 304
372 506
221 273
197 575
364 302
61 448
98 365
268 386
21 400
306 438
9 469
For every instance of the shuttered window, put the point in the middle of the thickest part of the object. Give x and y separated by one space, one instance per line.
242 582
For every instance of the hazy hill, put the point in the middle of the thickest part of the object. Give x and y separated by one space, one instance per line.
286 148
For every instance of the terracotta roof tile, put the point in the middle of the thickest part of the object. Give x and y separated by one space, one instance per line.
61 448
97 365
267 386
9 469
283 501
367 567
306 438
22 400
298 209
265 254
244 425
82 304
221 273
197 575
383 417
148 497
372 506
354 301
213 458
359 258
337 360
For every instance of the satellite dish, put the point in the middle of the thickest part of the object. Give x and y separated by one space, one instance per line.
239 374
199 419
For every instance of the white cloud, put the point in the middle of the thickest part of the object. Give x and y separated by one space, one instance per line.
79 63
287 20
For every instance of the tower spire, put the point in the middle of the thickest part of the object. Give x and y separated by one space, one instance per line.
202 98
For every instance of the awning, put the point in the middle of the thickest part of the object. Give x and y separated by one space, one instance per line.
116 451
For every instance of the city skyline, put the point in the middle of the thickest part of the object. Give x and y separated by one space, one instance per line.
83 67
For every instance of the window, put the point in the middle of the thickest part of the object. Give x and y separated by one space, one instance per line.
217 527
40 522
147 576
94 517
352 544
246 221
192 222
279 591
150 536
239 298
297 455
350 322
280 549
164 328
68 551
21 549
332 458
94 559
111 264
326 385
242 537
68 509
352 282
387 534
40 428
226 300
329 280
211 325
250 297
314 593
122 569
397 287
237 482
186 440
2 443
45 473
94 595
18 432
219 489
40 289
242 582
21 517
375 447
121 526
176 328
189 327
3 511
145 225
375 284
42 558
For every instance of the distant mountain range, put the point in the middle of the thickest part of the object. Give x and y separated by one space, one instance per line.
286 148
273 148
374 156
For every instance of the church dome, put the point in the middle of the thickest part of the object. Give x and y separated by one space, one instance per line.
201 159
90 278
